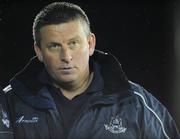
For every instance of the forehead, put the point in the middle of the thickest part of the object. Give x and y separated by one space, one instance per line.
64 29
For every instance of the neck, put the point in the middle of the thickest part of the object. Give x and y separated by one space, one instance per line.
73 89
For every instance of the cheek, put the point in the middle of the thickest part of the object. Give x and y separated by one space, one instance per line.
82 57
50 62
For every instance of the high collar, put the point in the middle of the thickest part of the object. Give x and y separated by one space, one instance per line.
115 80
97 83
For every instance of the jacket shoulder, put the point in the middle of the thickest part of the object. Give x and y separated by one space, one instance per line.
145 96
155 115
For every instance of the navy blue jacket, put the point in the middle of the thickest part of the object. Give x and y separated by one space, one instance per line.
121 110
6 131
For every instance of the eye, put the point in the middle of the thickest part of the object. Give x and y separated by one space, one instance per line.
73 44
54 46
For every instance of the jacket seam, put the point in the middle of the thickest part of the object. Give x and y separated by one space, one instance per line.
154 113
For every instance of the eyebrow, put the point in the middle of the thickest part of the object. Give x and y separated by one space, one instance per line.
74 38
53 43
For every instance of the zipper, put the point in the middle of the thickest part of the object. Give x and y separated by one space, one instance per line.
111 100
55 126
84 109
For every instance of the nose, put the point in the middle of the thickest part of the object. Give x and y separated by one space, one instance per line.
66 55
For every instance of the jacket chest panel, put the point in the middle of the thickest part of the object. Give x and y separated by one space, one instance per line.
111 122
32 122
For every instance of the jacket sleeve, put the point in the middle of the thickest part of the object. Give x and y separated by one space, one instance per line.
6 131
157 123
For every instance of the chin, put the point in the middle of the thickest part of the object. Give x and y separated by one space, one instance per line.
66 80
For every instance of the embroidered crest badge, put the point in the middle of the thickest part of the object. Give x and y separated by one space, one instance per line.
115 125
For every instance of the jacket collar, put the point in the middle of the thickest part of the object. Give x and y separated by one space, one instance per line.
115 81
97 83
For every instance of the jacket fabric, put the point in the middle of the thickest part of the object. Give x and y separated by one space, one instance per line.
122 109
6 131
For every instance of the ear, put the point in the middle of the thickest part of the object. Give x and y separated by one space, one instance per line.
92 43
38 52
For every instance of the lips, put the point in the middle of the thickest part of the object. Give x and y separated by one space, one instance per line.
66 70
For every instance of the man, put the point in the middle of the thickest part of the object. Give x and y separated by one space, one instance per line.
72 91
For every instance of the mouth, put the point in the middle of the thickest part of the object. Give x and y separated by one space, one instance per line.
67 70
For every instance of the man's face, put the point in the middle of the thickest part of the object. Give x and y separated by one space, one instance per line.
65 50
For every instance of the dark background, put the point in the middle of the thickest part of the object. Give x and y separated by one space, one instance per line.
138 33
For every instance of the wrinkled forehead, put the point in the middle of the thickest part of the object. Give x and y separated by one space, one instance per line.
63 31
75 24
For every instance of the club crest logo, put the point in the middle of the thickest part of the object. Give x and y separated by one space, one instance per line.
5 119
115 125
